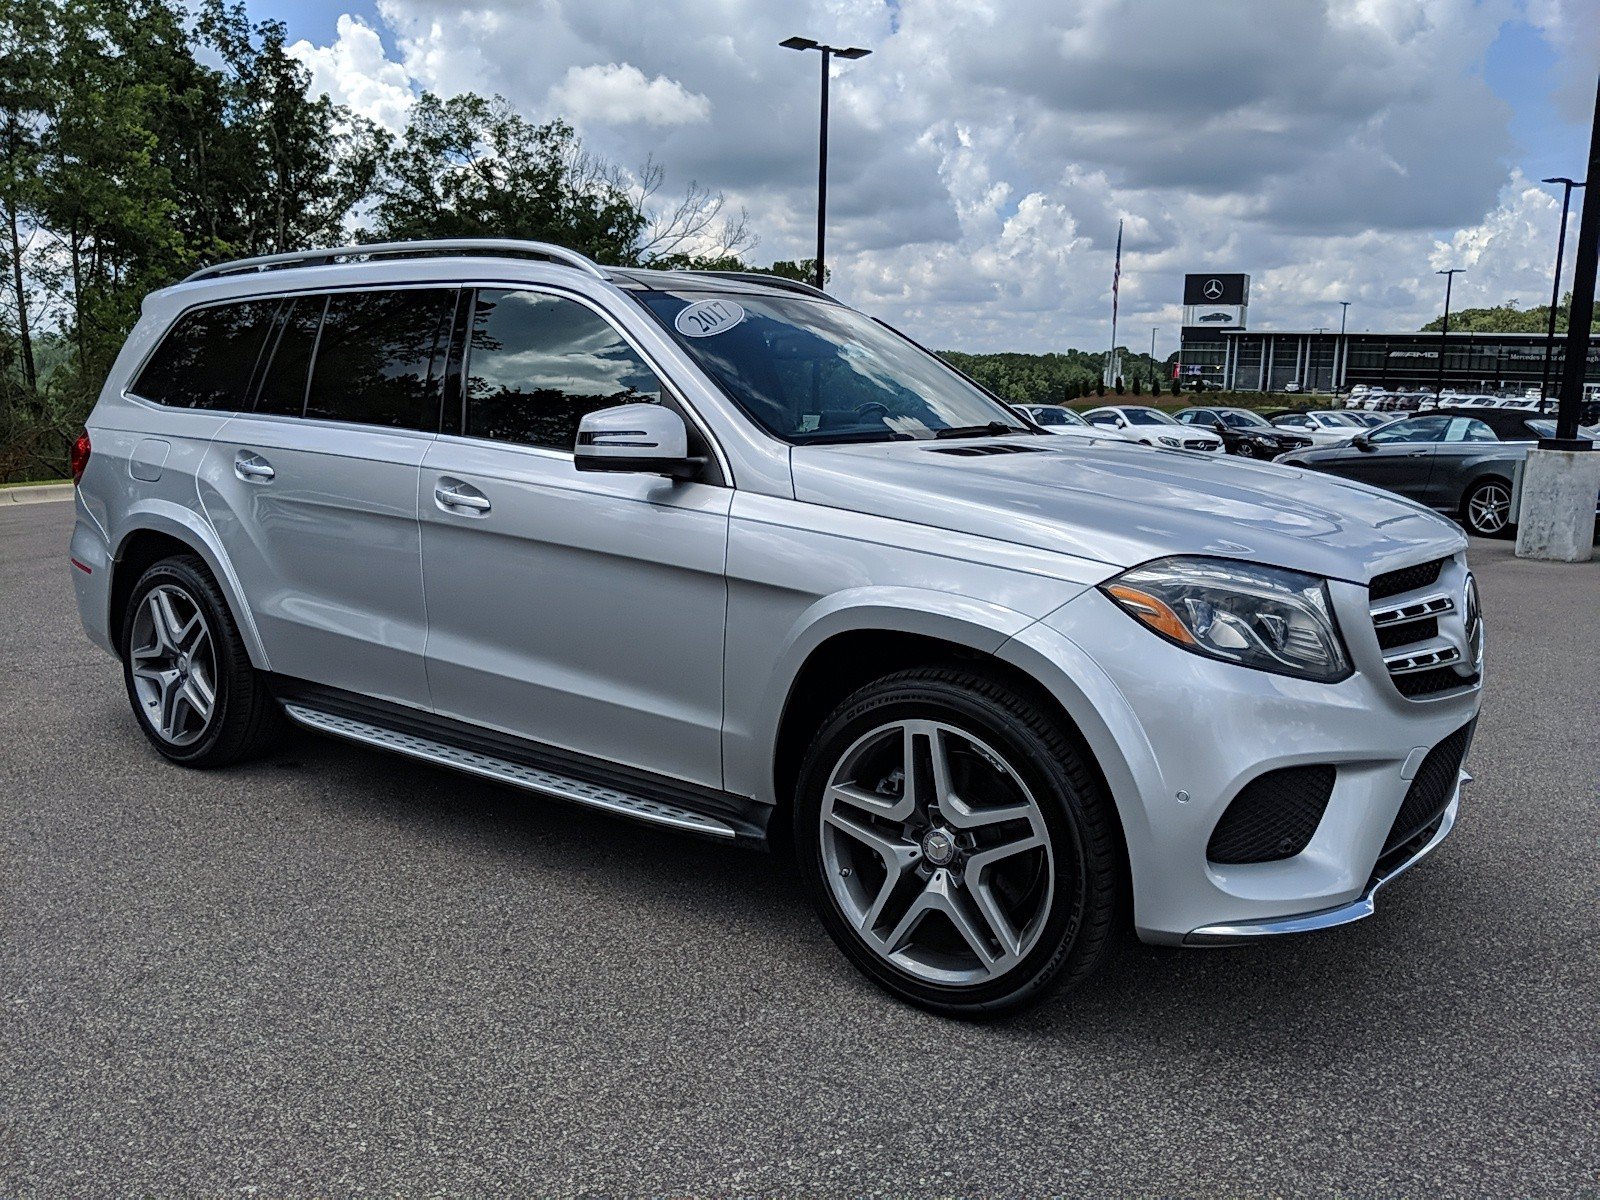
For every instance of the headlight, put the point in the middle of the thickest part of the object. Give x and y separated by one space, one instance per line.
1262 617
1169 441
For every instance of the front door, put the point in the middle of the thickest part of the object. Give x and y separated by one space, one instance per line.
582 611
314 494
1401 456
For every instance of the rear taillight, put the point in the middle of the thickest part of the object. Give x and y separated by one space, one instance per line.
80 456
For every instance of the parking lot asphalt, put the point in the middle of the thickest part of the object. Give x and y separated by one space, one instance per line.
335 971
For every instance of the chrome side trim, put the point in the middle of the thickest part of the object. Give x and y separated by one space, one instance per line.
503 771
1362 906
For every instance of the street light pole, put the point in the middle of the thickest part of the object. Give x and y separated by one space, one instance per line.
1449 279
1567 186
1342 355
1585 265
828 54
1155 373
1316 367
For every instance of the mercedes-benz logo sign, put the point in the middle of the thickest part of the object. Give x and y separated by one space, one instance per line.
1212 289
1474 623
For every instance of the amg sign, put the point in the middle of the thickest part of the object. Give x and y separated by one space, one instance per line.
1217 290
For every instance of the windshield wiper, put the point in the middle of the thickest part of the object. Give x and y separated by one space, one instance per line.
992 429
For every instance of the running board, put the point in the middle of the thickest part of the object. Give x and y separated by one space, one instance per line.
502 770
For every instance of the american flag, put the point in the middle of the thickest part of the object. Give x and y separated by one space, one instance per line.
1116 278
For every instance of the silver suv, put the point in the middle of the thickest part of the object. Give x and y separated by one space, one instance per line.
721 554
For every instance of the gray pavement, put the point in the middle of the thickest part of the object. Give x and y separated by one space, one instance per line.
335 971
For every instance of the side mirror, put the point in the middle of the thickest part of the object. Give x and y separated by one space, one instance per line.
640 439
1122 422
1362 443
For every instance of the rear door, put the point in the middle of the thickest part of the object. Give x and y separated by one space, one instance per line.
581 611
314 493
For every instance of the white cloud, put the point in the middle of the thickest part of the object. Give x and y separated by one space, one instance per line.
981 158
619 94
356 72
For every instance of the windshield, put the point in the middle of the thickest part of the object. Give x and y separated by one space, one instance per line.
1055 416
1333 418
809 371
1239 419
1547 429
1147 416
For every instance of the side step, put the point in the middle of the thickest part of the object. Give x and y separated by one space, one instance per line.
516 774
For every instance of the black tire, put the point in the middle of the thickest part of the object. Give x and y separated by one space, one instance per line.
245 719
1483 496
1079 816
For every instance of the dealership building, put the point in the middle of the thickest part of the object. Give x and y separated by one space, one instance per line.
1217 347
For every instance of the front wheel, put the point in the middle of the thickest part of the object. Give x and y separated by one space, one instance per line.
955 844
1486 508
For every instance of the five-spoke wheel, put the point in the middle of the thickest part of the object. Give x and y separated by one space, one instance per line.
1487 508
189 677
174 664
957 846
936 851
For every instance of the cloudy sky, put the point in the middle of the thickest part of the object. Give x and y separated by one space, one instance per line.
983 154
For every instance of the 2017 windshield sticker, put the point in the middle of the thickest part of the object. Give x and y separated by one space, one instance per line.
706 318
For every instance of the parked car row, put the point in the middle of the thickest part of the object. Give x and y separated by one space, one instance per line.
1458 460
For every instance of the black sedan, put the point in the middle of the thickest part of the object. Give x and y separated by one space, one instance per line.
1458 462
1244 432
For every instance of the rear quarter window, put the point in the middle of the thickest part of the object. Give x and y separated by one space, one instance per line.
208 357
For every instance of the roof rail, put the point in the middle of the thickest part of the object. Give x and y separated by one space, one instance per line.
782 282
490 247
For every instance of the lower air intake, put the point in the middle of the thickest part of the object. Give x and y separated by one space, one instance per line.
1274 816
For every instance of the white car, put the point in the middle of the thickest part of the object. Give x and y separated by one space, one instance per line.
1324 427
1153 427
1055 418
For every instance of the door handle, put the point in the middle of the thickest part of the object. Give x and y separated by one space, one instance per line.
252 466
452 493
1417 454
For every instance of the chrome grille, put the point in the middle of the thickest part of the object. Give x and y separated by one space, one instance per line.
1426 621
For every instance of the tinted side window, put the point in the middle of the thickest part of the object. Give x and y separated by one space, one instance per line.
536 364
207 358
283 386
380 358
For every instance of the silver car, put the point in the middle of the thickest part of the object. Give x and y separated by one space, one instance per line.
723 555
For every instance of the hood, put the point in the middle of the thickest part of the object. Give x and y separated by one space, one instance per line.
1123 504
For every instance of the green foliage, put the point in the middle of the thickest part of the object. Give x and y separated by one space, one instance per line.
1138 386
1504 318
142 138
469 166
1172 386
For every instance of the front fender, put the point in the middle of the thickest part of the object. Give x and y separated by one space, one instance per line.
759 700
174 520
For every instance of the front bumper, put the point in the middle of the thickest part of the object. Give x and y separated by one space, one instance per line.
1362 906
1178 737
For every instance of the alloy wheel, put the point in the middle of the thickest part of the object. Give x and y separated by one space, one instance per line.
1489 508
936 852
173 661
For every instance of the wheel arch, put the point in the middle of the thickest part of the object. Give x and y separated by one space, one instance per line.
865 643
160 530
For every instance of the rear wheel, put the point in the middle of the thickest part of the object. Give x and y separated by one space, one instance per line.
1486 508
188 675
955 844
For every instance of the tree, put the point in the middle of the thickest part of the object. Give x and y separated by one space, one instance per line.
470 166
1138 386
1172 387
1504 318
24 72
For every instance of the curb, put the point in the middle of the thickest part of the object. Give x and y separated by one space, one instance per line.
43 493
